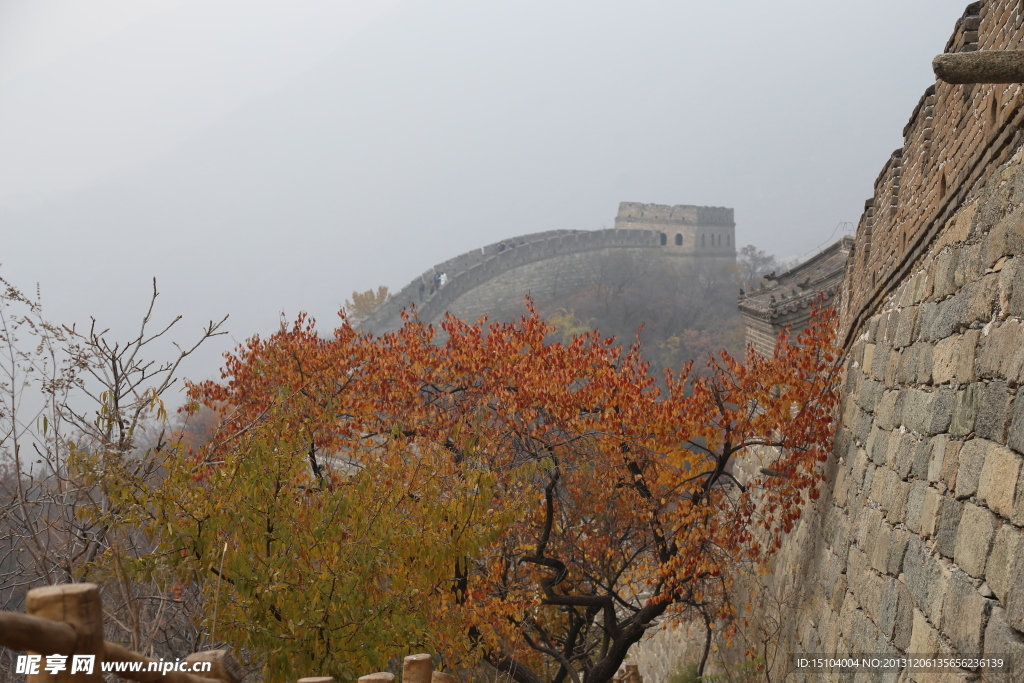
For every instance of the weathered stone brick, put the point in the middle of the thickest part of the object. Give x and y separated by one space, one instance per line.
998 482
915 505
858 468
1005 547
1001 352
870 393
869 356
952 316
927 320
1012 281
867 488
918 567
1014 601
880 485
925 361
1003 239
1018 503
974 539
940 411
993 412
1002 641
865 421
914 463
970 266
949 524
965 410
841 489
972 459
857 567
981 302
898 541
924 638
905 328
964 614
869 522
830 520
878 446
879 360
1015 435
838 593
870 597
888 609
886 319
907 372
936 458
896 502
878 547
899 447
930 513
946 264
950 464
954 358
892 368
872 329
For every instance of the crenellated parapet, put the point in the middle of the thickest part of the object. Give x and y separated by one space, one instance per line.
956 136
683 228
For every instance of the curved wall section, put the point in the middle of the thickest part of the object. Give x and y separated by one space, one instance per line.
495 279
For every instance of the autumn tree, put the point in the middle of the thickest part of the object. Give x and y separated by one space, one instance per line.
540 506
752 264
365 303
81 431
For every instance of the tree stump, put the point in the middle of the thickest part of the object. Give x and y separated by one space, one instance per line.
417 669
79 606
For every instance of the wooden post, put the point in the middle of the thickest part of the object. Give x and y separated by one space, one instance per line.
441 677
321 679
417 669
79 606
380 677
633 674
226 668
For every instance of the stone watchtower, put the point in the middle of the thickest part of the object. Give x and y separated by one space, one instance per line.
705 231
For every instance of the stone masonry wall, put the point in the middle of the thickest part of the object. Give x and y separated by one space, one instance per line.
917 545
917 548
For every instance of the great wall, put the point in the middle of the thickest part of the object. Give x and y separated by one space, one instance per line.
494 279
916 546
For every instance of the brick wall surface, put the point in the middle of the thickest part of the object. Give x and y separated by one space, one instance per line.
956 136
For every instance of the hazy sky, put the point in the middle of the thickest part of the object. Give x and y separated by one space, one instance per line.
263 156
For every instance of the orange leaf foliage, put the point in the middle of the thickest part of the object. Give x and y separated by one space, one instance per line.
565 500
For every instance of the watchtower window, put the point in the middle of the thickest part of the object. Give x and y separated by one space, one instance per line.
702 241
679 240
664 239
